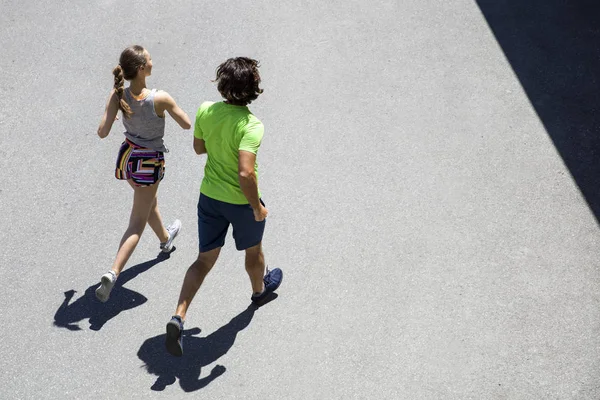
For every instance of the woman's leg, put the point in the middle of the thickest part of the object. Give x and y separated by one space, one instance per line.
144 199
155 220
156 223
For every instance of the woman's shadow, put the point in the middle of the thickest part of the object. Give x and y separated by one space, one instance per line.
198 352
87 306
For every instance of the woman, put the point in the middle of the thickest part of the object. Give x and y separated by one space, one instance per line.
141 156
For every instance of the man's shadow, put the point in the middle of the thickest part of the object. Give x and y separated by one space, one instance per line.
198 352
87 306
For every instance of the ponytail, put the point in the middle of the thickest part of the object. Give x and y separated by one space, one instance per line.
119 89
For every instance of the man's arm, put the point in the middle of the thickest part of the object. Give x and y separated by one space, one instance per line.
249 183
199 146
199 143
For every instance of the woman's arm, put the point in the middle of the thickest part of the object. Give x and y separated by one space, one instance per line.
164 102
110 114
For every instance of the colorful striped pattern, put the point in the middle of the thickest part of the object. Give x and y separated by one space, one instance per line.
143 166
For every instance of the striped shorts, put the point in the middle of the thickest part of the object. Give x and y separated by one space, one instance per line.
143 166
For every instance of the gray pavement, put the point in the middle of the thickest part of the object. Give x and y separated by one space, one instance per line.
434 243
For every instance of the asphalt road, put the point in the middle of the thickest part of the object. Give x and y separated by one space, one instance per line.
433 241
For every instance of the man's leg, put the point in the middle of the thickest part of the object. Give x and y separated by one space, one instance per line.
193 279
212 229
255 267
191 283
248 234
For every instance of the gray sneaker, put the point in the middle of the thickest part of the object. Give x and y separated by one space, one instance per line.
106 284
173 230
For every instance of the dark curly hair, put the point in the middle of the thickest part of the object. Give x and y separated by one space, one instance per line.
238 80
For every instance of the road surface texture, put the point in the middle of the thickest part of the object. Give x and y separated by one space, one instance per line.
431 172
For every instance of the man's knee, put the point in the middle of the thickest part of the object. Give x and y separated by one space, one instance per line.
254 254
201 266
207 259
254 250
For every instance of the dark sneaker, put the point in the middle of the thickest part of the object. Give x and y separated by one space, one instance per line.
174 341
272 281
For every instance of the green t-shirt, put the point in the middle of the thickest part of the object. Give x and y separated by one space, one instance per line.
226 129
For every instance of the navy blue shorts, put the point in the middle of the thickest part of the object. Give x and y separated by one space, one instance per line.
214 217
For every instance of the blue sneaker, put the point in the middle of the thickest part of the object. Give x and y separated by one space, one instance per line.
272 281
174 340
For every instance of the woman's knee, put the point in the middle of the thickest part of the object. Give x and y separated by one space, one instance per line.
137 224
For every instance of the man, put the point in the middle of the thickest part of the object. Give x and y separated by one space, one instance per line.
230 135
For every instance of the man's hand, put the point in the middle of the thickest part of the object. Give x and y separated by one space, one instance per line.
260 213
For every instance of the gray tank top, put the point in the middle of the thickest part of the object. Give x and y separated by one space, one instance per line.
144 127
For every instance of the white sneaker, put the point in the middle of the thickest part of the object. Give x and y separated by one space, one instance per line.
106 284
173 230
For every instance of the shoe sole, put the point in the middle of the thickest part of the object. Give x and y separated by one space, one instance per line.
103 292
172 340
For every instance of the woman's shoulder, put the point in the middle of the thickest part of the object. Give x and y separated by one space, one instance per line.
162 97
159 93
